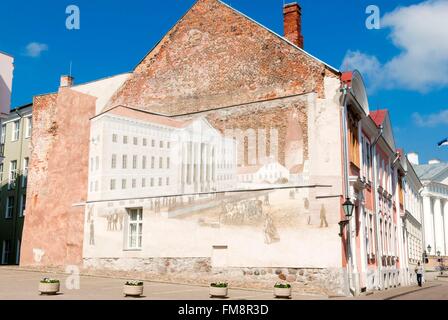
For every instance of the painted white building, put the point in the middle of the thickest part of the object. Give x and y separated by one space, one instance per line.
141 155
413 219
434 177
6 74
270 173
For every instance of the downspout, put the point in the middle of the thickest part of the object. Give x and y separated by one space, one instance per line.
346 185
375 202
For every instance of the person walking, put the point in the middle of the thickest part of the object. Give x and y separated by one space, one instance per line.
419 272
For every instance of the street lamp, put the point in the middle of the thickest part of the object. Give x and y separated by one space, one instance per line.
348 208
429 249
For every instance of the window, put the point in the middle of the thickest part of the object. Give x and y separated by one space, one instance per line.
29 126
134 183
167 181
168 163
153 143
160 182
114 138
22 205
25 172
143 183
125 161
125 139
123 184
15 130
145 142
96 186
112 184
3 137
6 251
168 145
161 144
353 142
160 163
18 252
114 161
134 162
135 141
144 162
12 174
135 228
9 207
97 163
152 182
153 160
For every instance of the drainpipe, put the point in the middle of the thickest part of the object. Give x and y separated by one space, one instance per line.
375 202
347 188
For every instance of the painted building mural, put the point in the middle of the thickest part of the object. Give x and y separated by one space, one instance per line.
214 186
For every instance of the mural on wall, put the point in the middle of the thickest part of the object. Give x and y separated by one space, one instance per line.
231 168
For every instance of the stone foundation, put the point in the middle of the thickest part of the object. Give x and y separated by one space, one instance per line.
322 282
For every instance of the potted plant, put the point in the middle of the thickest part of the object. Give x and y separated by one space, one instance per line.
49 286
282 290
133 288
219 289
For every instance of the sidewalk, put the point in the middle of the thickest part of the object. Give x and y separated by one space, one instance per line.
16 284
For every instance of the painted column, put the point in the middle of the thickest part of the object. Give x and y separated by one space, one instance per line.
428 222
445 225
438 226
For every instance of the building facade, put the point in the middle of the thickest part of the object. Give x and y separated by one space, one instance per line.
227 153
15 143
413 219
434 177
6 75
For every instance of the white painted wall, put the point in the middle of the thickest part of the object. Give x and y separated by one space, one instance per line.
288 235
102 89
6 75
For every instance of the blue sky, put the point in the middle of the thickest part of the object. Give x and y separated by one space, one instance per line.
115 35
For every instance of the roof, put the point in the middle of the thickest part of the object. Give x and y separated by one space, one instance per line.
378 116
21 107
430 171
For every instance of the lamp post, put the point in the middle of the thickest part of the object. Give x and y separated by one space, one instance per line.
441 266
429 249
348 208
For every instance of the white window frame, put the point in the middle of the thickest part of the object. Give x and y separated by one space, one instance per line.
12 177
26 162
15 134
3 134
6 253
28 127
131 243
22 208
9 212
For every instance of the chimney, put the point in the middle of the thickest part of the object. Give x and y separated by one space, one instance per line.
292 22
413 158
434 161
66 81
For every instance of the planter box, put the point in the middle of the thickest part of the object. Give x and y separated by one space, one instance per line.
132 291
49 288
219 292
283 292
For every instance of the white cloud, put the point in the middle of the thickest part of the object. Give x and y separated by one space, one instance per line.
369 66
421 33
35 49
431 120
